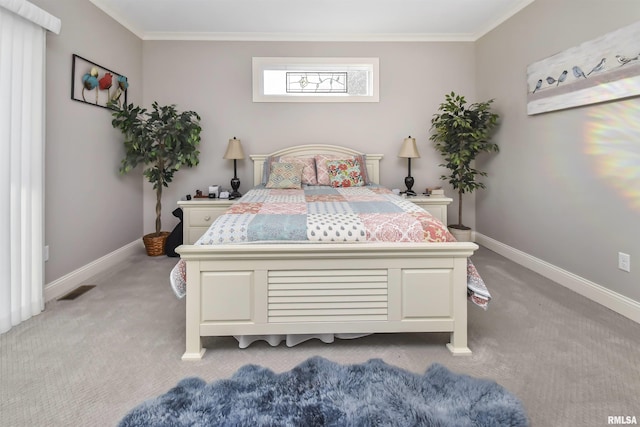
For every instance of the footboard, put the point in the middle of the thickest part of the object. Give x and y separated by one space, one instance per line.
262 289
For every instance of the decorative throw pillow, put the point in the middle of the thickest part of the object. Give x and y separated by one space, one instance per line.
322 171
345 173
308 170
285 175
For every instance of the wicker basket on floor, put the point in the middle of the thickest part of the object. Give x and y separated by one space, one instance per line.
155 244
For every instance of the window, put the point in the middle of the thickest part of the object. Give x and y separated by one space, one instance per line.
315 80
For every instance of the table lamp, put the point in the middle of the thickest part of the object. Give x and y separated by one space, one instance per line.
234 151
409 151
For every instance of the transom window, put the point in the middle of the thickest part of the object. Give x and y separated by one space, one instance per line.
315 80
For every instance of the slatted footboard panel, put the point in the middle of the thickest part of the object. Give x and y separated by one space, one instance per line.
327 296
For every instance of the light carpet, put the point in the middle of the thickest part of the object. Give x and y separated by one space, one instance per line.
87 362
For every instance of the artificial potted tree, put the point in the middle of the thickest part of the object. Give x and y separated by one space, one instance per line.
162 140
460 133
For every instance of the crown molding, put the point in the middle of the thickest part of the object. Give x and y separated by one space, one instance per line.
308 37
508 13
118 18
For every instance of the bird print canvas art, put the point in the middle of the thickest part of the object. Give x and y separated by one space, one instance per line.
599 70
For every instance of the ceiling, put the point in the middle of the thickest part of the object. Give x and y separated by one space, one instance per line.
302 20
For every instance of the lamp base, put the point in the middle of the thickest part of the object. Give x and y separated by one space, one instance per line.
235 184
408 181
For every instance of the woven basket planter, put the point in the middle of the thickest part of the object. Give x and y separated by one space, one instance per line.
155 244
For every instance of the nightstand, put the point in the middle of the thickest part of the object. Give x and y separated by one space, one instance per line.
435 205
198 214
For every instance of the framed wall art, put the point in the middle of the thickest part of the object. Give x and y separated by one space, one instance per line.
599 70
96 85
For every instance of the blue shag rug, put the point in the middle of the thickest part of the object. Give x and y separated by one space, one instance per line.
319 392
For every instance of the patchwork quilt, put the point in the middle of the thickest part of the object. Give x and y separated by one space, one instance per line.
326 214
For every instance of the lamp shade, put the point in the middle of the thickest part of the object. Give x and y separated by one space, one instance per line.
234 150
409 149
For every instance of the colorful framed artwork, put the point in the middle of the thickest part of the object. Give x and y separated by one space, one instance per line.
96 85
599 70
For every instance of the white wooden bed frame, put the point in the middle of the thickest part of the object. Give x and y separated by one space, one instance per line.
315 288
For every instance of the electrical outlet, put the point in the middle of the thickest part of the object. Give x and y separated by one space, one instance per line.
46 253
624 262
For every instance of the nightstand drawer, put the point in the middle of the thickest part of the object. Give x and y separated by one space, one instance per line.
204 217
199 214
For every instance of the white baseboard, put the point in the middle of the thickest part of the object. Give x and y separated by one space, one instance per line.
617 302
70 281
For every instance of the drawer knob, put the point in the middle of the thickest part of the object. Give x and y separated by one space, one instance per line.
207 218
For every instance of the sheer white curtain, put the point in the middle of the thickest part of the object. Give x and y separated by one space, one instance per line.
23 29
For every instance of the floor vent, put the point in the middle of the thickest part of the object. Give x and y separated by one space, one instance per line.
77 292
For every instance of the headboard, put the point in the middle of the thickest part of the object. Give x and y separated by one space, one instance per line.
373 160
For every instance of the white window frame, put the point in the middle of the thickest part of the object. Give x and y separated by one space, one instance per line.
260 64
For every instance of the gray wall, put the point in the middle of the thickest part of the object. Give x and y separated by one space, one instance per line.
551 190
90 210
214 79
555 190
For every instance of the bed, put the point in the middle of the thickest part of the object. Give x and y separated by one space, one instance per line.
274 288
